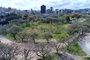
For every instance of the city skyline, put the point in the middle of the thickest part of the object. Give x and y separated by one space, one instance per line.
35 4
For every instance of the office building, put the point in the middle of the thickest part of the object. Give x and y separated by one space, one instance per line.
57 11
51 8
43 9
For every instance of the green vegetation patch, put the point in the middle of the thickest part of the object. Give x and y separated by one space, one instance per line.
87 58
75 49
61 35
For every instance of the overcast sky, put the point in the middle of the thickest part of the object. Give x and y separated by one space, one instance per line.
35 4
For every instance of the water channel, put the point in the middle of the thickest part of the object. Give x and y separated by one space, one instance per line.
85 44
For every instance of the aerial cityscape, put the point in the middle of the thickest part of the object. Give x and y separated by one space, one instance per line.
43 9
44 29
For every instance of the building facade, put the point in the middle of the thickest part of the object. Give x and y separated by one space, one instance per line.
43 9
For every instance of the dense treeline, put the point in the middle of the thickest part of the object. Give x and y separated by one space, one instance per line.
59 26
7 18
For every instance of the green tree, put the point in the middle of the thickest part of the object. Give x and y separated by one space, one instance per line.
22 37
33 36
14 30
47 36
67 19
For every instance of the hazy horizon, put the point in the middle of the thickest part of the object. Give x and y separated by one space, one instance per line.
35 4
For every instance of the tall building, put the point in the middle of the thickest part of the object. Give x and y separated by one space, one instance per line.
61 11
43 9
48 11
57 11
51 8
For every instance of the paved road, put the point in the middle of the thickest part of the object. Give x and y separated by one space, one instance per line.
5 40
